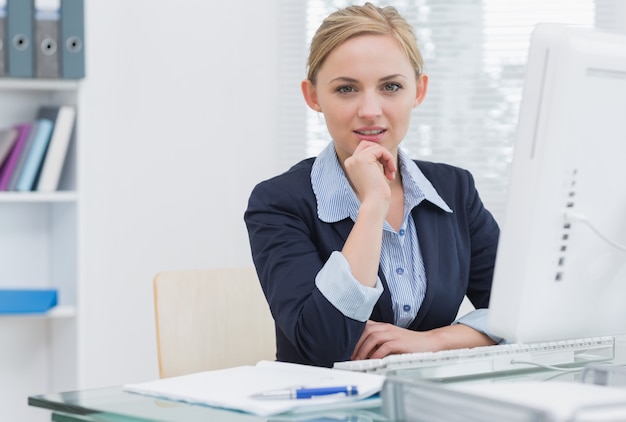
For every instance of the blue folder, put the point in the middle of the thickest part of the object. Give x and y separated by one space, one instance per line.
27 301
19 39
72 39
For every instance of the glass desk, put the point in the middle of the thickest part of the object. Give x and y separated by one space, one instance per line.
114 405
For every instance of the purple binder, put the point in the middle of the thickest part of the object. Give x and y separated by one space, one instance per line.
14 156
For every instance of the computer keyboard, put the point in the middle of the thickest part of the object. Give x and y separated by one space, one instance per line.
489 360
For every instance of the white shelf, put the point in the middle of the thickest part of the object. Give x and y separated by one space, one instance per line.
58 312
61 312
38 84
58 196
40 245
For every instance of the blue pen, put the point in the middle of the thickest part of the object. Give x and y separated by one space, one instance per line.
307 393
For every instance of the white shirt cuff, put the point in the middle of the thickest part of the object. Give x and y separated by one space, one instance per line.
350 297
478 319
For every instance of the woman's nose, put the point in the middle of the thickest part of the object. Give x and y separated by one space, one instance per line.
370 106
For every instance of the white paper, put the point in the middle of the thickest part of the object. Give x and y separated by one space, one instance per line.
232 388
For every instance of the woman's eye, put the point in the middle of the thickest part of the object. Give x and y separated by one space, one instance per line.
391 87
345 89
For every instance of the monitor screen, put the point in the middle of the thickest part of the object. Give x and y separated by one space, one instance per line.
561 264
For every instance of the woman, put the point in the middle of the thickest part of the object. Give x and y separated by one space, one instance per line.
362 252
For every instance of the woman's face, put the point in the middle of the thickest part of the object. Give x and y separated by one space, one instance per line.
366 89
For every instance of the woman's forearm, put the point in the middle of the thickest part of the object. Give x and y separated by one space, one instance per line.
363 246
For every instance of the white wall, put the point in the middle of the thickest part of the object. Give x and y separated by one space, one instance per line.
177 124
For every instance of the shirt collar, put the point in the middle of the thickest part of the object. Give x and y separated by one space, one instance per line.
332 189
415 181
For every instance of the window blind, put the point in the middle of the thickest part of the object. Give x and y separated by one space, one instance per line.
474 53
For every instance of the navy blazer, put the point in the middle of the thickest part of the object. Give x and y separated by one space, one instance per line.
290 244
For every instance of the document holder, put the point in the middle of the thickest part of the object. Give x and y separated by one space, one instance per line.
423 401
547 401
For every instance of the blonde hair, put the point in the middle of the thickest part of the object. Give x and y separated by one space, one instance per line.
353 21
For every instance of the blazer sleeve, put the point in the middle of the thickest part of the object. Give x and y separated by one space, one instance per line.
459 248
289 246
484 235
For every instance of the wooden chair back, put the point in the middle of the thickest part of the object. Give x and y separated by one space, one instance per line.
211 319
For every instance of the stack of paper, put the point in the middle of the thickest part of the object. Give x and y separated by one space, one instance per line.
233 388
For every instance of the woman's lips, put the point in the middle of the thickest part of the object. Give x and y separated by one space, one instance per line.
372 135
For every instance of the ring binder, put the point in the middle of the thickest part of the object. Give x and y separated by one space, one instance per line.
47 15
72 39
19 22
3 31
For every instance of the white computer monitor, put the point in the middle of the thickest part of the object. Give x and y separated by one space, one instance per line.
561 264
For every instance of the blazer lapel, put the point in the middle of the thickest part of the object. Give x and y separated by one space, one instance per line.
427 232
383 311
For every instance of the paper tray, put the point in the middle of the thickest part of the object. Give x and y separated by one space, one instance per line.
27 301
423 401
530 401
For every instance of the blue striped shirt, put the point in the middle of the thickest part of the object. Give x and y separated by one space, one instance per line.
401 258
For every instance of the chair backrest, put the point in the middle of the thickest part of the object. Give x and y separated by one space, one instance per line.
211 319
